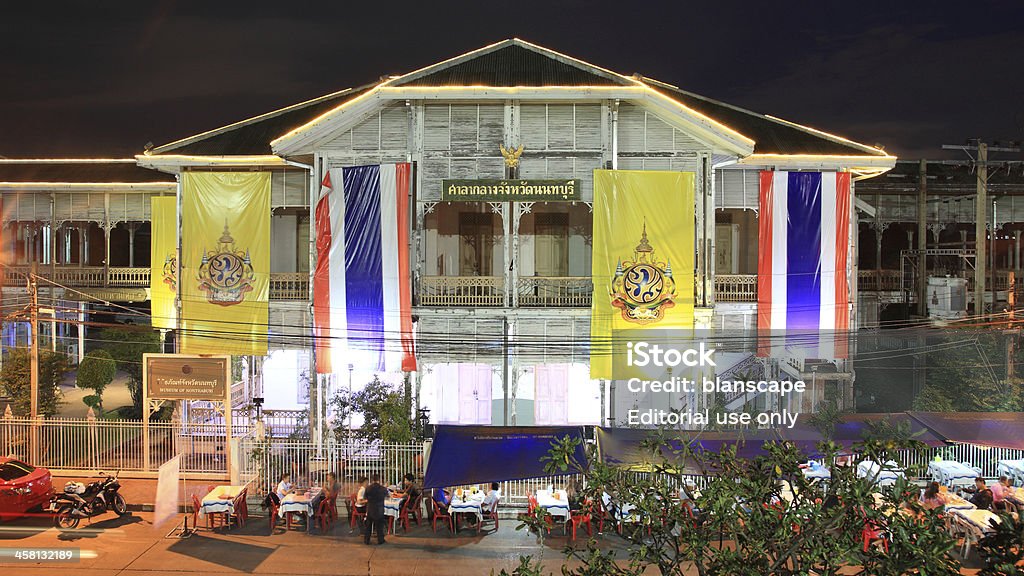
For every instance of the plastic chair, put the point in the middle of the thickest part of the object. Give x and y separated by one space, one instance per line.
333 509
322 517
581 517
870 534
272 515
355 515
492 513
404 512
438 512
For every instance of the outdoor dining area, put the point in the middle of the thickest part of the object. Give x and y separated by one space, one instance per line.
476 478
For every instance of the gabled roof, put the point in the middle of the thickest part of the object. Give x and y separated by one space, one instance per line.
511 63
253 135
78 171
771 135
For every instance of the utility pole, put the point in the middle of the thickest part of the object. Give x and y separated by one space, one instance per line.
922 239
33 290
980 220
980 212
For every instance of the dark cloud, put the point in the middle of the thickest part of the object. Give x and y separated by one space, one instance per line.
105 78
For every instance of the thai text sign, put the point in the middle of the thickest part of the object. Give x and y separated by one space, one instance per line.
496 190
182 377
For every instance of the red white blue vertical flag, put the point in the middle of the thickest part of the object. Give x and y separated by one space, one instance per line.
803 244
362 299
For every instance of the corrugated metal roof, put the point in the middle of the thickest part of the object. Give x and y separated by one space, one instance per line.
770 136
71 171
510 66
947 178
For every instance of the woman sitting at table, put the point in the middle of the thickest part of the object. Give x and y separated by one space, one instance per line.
933 497
361 493
999 491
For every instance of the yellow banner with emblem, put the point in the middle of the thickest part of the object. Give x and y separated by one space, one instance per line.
643 257
225 268
163 263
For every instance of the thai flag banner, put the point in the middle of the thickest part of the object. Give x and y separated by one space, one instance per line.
804 243
362 298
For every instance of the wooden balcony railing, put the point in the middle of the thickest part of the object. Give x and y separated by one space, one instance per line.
879 280
543 291
283 285
461 291
736 288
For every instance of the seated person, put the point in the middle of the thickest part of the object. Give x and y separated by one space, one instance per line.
999 492
361 493
933 497
572 494
491 497
284 487
442 497
409 488
982 498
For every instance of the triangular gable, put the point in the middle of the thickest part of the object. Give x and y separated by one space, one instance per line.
512 63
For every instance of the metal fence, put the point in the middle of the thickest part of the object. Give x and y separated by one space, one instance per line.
72 445
263 461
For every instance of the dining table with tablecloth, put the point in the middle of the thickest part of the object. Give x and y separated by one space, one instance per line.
556 502
951 473
980 520
222 499
882 476
1012 469
300 502
466 501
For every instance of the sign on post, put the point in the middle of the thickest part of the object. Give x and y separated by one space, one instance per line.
186 377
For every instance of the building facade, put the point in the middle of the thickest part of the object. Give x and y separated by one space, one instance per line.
501 290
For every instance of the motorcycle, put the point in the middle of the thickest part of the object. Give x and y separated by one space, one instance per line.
81 501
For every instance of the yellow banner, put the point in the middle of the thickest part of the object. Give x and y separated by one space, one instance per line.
225 268
163 273
643 257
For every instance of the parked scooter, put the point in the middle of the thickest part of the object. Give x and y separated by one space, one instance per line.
81 501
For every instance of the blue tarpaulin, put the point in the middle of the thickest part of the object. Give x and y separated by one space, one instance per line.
463 455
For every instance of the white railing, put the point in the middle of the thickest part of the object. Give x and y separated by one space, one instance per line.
81 444
263 462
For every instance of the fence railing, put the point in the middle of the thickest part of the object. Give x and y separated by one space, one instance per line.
461 291
83 444
263 461
736 288
541 291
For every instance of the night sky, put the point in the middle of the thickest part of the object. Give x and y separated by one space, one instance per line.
104 78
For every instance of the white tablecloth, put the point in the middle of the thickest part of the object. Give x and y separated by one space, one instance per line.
556 506
1012 469
301 502
392 506
869 469
817 472
469 503
220 499
979 519
951 473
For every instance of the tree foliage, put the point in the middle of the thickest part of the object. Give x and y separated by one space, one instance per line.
1002 550
126 347
95 372
384 412
758 516
17 381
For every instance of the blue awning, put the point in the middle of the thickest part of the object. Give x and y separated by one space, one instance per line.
463 455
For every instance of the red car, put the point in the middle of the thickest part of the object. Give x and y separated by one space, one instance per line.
23 487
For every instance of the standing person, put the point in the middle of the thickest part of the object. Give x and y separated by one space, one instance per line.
375 518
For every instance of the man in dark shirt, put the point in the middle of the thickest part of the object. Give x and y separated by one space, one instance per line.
375 519
982 498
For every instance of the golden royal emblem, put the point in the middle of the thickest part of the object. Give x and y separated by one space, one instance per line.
643 288
511 155
226 273
170 273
